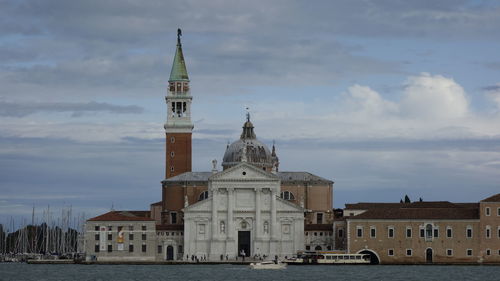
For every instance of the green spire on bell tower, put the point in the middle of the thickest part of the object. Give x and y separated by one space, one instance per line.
179 71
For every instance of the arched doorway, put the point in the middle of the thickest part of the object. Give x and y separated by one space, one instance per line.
170 253
373 257
428 255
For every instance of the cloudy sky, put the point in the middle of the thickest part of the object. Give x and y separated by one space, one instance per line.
386 98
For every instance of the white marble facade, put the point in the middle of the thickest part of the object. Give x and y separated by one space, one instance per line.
243 212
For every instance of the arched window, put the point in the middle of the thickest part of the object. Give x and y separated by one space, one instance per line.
287 195
318 248
203 196
428 231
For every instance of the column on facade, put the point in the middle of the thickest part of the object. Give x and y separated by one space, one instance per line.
258 221
273 215
230 226
191 237
215 220
188 109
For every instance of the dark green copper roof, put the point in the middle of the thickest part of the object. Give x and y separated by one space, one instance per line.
179 71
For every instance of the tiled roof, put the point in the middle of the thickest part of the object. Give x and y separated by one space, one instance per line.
284 177
123 216
419 213
170 227
366 206
468 205
431 204
301 176
424 204
157 203
320 227
190 176
494 198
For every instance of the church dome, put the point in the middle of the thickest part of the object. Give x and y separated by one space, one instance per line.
248 149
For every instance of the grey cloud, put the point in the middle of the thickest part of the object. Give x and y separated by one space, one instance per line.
11 109
472 144
112 20
110 47
493 65
119 72
220 132
128 174
492 88
129 44
51 171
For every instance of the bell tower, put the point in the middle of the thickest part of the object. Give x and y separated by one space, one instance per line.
178 128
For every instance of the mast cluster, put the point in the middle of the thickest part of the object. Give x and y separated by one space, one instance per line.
48 236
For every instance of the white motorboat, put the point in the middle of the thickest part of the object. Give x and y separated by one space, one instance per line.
268 265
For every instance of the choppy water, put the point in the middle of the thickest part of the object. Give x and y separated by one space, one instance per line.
28 272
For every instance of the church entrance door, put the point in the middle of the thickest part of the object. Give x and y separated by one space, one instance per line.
170 253
244 243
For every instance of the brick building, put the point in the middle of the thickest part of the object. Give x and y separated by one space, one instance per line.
422 232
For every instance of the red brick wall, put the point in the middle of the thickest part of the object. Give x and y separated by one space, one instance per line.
181 159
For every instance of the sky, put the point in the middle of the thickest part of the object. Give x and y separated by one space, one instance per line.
385 98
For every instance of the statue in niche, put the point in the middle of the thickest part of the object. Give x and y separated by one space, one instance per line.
222 227
266 227
186 202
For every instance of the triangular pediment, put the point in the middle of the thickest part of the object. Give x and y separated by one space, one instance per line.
244 172
286 206
204 205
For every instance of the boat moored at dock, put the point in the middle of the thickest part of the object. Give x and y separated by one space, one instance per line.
328 258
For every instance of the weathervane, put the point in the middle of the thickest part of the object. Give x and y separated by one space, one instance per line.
179 34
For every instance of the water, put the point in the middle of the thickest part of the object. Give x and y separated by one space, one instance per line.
27 272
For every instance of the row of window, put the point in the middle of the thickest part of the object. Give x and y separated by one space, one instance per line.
428 232
319 233
130 248
318 248
287 195
169 233
110 228
488 231
449 252
178 86
130 236
487 211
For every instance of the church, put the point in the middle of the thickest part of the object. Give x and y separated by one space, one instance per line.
249 208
